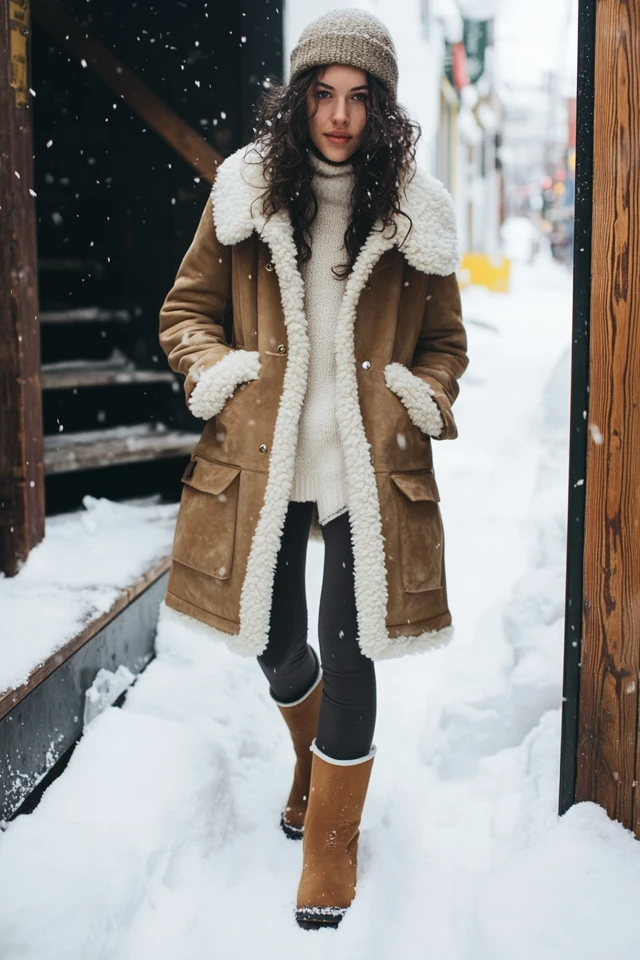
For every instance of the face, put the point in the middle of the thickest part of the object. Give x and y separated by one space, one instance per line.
337 110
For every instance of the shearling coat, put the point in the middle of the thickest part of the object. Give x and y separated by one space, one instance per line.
234 325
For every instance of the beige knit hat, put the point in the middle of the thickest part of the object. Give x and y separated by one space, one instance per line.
350 36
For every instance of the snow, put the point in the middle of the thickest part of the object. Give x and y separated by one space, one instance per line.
161 839
105 690
76 574
520 238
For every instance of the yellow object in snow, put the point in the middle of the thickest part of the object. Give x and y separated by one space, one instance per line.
484 270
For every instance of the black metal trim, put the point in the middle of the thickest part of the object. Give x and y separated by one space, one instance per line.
33 799
579 403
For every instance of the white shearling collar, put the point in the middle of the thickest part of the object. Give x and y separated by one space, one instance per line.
430 245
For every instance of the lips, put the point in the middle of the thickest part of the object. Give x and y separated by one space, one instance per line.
338 137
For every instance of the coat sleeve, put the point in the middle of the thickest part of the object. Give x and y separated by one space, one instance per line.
191 324
429 386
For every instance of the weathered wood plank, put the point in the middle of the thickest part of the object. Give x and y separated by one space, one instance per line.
608 731
70 376
21 454
85 315
91 450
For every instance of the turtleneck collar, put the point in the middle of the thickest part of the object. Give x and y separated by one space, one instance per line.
324 168
332 182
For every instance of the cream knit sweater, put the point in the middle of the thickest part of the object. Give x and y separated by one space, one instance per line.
319 468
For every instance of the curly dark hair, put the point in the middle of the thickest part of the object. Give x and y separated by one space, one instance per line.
381 163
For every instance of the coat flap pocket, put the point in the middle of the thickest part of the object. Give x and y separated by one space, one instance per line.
209 477
417 486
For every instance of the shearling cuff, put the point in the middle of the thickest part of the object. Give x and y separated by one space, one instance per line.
417 396
217 383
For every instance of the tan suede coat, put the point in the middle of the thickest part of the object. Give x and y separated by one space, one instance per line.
234 325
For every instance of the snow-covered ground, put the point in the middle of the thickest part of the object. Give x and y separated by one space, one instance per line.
161 839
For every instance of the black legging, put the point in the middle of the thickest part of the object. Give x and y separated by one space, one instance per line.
348 707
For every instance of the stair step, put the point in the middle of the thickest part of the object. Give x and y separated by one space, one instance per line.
70 265
66 453
85 315
100 373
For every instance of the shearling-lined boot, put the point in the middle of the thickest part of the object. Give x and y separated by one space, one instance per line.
302 719
330 848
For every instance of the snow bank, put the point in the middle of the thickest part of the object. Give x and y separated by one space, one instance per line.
86 559
529 631
574 893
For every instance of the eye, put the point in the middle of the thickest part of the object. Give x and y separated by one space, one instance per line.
360 96
322 94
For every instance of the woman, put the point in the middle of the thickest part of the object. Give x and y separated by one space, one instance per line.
316 319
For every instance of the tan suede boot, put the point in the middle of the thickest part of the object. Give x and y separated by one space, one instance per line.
302 719
332 827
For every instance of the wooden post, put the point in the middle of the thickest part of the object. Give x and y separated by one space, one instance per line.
607 764
21 450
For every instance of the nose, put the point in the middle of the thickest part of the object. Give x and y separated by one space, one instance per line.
340 113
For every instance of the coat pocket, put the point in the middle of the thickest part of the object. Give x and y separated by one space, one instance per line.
206 524
420 531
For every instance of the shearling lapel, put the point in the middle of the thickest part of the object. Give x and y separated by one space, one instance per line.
255 598
426 235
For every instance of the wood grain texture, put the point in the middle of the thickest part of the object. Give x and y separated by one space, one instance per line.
21 448
608 730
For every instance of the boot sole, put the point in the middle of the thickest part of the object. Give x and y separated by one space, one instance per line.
293 833
316 918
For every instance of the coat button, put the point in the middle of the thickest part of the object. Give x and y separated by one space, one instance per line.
368 286
269 266
263 448
366 364
282 348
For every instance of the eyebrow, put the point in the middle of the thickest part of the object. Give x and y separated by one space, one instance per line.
321 83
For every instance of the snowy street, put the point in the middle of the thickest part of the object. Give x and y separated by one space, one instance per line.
161 839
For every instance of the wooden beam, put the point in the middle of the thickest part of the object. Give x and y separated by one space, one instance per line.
608 767
21 447
156 114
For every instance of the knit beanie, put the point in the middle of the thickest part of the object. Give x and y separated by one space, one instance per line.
352 37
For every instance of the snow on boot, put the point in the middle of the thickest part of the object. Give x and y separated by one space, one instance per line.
302 719
330 847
